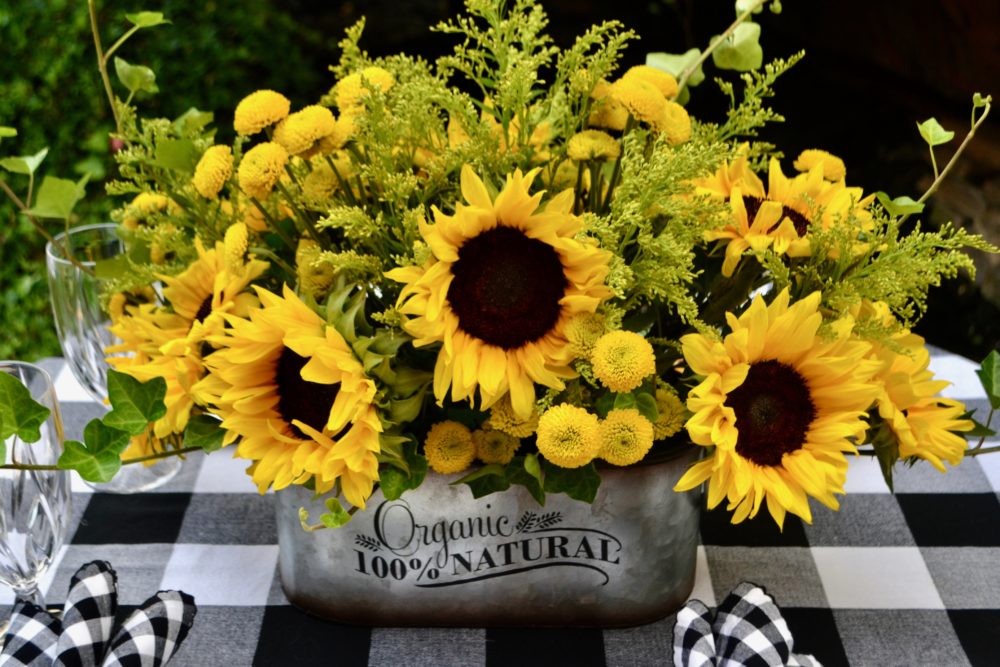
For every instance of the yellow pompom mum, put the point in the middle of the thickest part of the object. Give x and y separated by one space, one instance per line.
607 112
258 110
494 446
351 89
640 98
144 205
261 168
671 414
235 244
303 132
314 276
213 170
664 81
503 418
568 436
626 436
622 360
833 167
449 447
592 145
582 332
675 123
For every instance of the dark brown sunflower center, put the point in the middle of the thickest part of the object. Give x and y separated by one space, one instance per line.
773 412
309 402
801 222
506 288
204 310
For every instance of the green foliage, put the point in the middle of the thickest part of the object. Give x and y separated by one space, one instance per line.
20 415
334 517
134 404
98 457
989 375
900 205
933 133
741 51
205 432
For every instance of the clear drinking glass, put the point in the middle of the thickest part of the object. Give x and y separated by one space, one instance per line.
34 504
83 325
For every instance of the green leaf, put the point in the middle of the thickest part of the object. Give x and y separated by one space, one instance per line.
112 267
26 164
192 121
527 474
8 132
646 405
741 51
56 198
176 154
624 401
743 5
204 431
989 375
488 479
146 19
978 101
134 404
394 480
135 78
577 483
675 63
98 457
604 404
933 133
336 516
900 205
979 430
20 415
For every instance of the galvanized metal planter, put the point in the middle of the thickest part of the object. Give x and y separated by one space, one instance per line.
438 557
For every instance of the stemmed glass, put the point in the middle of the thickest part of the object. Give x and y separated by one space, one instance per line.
34 504
83 325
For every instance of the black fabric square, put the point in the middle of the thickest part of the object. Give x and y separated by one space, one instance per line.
761 531
952 519
977 630
544 647
142 518
815 633
292 637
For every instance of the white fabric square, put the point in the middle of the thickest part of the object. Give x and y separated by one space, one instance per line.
876 578
864 475
703 580
990 464
960 372
221 473
68 389
230 575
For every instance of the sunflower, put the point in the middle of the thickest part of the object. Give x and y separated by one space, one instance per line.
290 388
504 279
779 406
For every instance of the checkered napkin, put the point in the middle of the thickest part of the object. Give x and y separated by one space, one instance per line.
747 631
149 637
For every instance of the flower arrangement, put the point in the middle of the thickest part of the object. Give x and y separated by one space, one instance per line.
523 264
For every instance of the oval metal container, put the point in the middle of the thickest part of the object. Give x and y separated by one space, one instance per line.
439 557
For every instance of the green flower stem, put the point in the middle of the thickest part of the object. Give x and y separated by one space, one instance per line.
272 223
617 172
125 462
102 63
12 196
121 40
344 187
713 45
954 158
306 222
971 451
265 252
578 189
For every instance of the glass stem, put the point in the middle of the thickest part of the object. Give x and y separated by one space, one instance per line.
30 593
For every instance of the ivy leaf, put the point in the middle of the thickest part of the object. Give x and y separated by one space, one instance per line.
134 404
743 5
989 375
146 19
741 51
900 205
978 101
335 516
394 480
204 431
624 401
526 472
192 121
675 63
20 415
933 133
488 479
112 267
176 154
646 405
135 77
577 483
57 197
98 457
26 164
8 132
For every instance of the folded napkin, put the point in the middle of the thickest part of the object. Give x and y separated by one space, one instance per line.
149 637
747 630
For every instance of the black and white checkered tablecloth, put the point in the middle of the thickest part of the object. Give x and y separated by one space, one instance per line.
906 579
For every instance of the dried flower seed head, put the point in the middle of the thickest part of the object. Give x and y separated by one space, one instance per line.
568 436
449 447
626 437
258 110
213 170
261 168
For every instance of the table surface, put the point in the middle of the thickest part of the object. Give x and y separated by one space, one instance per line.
905 579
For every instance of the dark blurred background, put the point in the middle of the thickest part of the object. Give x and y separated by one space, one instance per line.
872 71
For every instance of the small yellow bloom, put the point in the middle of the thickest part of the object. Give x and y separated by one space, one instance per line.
626 436
606 111
235 244
582 332
568 436
302 132
213 170
116 306
261 168
675 123
503 418
449 447
622 360
640 98
592 145
144 205
494 446
350 90
259 110
671 414
664 81
833 166
314 276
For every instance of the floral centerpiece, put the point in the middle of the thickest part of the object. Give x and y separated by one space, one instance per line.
522 264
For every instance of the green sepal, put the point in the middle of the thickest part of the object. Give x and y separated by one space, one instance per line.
979 430
886 448
134 404
577 483
989 375
20 414
933 133
25 164
98 457
135 78
204 431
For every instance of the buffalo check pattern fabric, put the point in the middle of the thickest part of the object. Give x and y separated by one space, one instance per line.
905 579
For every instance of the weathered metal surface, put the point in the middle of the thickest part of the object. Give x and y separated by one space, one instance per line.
439 557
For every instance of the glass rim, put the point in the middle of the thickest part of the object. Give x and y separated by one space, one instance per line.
51 251
35 368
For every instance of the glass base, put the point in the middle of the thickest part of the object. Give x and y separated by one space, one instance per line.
137 478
